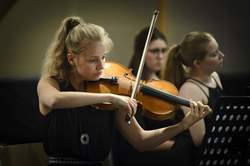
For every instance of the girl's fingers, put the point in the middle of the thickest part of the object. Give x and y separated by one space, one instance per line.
192 106
201 109
131 107
195 108
133 104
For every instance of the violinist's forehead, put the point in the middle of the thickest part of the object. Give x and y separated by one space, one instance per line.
158 43
92 48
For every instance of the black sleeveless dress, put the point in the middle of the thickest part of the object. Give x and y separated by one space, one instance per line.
83 133
212 96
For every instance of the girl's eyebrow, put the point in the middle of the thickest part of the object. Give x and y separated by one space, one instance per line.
93 56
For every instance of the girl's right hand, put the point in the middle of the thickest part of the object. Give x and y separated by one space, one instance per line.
124 103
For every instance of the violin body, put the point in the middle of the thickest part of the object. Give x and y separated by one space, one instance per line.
154 105
156 97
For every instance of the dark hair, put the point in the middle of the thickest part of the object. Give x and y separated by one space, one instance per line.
139 43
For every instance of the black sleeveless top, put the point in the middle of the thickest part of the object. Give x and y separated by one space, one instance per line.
212 96
84 132
213 93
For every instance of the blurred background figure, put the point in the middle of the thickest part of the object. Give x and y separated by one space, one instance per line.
192 66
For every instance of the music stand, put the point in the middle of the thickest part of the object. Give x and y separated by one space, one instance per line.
228 139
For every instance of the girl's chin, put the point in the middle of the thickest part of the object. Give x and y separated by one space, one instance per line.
157 69
95 78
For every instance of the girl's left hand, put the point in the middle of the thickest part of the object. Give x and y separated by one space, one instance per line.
198 111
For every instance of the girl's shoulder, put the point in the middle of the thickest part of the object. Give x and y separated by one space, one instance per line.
190 90
189 86
45 81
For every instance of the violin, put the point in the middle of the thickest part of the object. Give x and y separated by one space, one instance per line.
157 98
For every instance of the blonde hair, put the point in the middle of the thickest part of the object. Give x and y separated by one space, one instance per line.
180 57
72 31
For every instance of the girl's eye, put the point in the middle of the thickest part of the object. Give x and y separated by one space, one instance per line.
92 60
215 53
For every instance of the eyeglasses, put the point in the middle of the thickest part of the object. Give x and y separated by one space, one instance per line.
157 50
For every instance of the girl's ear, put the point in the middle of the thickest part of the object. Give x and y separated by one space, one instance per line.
70 58
196 63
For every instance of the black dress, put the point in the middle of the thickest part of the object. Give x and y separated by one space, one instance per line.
79 134
212 96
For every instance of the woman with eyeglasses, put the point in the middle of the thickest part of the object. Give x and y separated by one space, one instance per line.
123 152
154 56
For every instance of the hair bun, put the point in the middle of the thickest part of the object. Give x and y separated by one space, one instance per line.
71 23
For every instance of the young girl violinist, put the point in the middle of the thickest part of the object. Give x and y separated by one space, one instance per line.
78 133
192 66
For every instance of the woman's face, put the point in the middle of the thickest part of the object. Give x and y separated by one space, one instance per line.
90 62
213 59
155 55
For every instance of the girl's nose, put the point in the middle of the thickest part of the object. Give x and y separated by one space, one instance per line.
160 55
101 64
221 55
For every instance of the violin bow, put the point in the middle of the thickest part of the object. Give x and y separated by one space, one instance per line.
139 73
